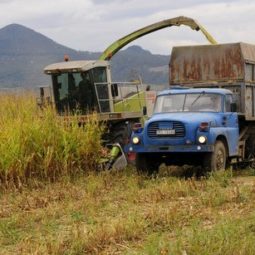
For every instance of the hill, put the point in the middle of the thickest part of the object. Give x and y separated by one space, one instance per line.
24 53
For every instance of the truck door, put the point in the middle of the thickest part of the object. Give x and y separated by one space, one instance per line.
230 121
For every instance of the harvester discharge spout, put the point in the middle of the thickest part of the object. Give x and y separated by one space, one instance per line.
181 20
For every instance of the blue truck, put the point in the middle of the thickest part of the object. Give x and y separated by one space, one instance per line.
207 116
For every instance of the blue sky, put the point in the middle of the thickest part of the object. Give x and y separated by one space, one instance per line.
94 24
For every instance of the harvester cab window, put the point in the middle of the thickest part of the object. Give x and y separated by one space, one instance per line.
82 92
102 90
74 92
64 87
87 96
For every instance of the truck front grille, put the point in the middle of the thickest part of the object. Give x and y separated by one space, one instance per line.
178 127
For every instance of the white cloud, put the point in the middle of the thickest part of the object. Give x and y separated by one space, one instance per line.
94 24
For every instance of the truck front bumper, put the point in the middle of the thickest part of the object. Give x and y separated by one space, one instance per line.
170 148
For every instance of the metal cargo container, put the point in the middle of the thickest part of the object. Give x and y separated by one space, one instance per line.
230 66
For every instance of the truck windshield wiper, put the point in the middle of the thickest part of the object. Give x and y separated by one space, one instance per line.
201 94
184 102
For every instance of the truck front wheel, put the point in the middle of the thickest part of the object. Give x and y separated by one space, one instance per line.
216 160
146 163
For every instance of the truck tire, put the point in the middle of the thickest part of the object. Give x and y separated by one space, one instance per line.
250 152
216 160
146 164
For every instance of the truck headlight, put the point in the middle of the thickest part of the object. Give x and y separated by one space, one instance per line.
202 139
135 140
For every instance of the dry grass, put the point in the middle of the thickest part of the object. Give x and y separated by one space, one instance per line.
123 213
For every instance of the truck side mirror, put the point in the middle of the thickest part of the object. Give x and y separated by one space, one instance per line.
233 107
114 89
144 110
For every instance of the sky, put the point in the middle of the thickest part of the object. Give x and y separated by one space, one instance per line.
92 25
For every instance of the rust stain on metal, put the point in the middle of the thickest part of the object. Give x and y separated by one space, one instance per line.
210 63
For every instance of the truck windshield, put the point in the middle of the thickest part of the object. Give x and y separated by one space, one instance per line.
195 102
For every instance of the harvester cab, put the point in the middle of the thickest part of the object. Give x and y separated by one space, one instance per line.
83 86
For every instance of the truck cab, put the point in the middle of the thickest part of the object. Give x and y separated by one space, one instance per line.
187 126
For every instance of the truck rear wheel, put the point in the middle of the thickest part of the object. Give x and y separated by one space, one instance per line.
146 163
250 152
216 160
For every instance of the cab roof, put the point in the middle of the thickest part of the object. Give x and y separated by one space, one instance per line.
196 90
74 66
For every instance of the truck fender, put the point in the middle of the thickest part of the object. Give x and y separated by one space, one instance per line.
225 141
220 134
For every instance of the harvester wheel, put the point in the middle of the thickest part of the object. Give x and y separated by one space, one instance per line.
121 133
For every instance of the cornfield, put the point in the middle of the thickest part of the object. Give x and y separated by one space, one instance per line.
36 143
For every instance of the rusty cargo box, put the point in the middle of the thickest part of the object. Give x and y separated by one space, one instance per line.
230 66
